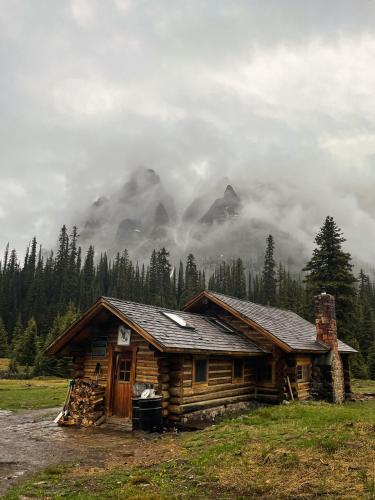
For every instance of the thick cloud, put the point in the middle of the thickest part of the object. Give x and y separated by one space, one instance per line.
276 96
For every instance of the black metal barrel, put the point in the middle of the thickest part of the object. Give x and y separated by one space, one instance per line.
135 414
150 414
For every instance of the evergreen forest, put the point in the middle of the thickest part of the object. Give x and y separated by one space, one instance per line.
42 295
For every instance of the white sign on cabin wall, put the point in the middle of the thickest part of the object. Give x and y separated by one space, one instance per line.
123 337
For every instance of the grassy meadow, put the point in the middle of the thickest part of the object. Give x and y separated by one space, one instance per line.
33 394
363 387
300 450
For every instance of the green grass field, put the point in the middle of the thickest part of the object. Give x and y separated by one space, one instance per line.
47 392
363 386
301 450
32 394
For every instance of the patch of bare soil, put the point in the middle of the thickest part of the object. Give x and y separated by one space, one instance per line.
30 441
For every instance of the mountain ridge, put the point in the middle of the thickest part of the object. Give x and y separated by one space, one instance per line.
142 215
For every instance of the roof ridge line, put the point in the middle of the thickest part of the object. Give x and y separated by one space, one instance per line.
254 303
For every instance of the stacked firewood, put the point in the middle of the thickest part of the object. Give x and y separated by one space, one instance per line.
86 404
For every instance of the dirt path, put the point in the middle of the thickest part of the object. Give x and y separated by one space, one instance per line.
30 441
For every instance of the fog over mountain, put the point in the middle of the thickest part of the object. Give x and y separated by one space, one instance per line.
274 99
142 215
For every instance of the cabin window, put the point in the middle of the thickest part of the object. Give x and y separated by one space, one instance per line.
99 347
124 370
265 372
200 375
303 373
237 373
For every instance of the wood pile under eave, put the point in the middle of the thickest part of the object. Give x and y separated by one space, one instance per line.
86 404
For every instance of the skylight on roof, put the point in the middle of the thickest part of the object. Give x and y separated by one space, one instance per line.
177 319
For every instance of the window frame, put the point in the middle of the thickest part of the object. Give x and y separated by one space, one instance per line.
266 382
101 340
241 377
126 371
305 372
195 359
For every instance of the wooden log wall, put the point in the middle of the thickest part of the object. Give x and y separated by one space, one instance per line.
147 370
304 386
220 389
175 380
151 367
264 392
267 393
164 382
78 358
272 391
301 389
291 372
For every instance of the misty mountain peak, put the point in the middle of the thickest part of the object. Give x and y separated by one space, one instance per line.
231 193
223 209
161 215
99 202
141 180
151 177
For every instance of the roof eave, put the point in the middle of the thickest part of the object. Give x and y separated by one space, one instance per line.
212 352
57 344
73 330
343 351
309 351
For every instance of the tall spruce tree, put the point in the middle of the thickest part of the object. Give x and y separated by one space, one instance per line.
17 334
166 296
87 291
61 269
191 279
269 273
153 279
27 346
371 361
180 283
46 365
239 279
365 325
330 270
4 348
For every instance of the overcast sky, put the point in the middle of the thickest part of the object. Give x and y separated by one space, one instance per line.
277 95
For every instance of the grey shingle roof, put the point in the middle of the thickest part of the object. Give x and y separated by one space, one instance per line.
287 326
205 335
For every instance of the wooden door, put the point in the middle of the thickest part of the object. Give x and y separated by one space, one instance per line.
123 382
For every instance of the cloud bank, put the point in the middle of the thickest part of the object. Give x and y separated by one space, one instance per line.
275 96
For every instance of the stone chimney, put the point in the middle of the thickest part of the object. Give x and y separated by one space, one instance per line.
326 332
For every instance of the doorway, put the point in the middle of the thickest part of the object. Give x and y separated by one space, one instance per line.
123 383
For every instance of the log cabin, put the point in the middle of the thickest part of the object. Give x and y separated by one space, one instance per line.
218 354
